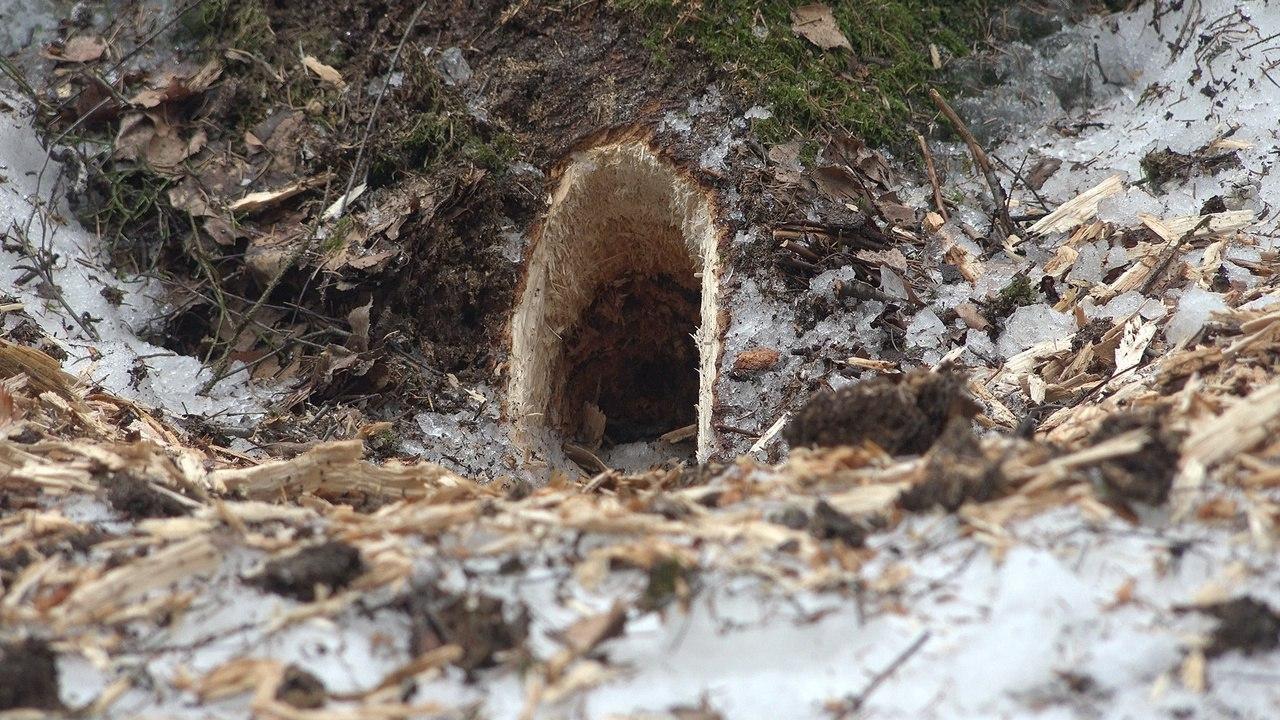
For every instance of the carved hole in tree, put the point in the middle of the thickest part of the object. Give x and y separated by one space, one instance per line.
633 357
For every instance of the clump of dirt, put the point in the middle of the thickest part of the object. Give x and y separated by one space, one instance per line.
1245 624
134 498
70 542
956 472
332 565
301 689
1147 475
828 523
30 673
477 623
902 416
1162 166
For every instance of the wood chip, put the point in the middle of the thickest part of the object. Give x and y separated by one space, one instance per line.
1078 209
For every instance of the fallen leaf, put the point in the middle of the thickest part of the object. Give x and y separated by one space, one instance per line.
148 137
816 24
1042 171
358 319
968 312
79 49
584 635
591 430
838 182
326 73
892 257
756 359
340 205
255 201
174 86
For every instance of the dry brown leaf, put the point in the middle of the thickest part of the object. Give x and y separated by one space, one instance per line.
756 359
817 24
326 73
359 321
974 319
79 49
256 201
178 85
584 635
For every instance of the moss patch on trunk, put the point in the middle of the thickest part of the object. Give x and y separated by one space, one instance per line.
875 91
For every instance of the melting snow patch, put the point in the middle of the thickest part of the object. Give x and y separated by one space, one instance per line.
32 209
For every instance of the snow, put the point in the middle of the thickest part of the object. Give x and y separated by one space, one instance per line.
926 330
1035 623
31 199
453 67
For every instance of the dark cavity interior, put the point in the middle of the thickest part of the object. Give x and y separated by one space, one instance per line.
633 355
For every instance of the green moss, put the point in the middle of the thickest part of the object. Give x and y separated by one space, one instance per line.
427 126
132 198
667 577
874 92
337 236
1017 293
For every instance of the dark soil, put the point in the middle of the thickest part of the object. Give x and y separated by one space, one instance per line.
1245 624
15 559
902 415
827 523
134 498
1162 166
28 676
477 623
332 565
301 689
634 357
1147 475
956 472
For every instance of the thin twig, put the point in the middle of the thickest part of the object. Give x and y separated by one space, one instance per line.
933 177
42 265
857 701
302 248
980 158
1167 254
219 370
377 103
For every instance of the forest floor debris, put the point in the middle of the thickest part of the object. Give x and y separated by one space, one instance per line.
1101 546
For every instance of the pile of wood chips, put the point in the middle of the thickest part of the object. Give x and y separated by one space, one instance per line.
1126 424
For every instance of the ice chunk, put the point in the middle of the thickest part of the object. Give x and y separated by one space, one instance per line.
1194 308
979 344
891 284
1088 266
453 67
926 330
824 284
1117 256
1124 208
1123 305
1263 303
1031 325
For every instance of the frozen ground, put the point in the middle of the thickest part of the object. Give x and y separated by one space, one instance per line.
1063 616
